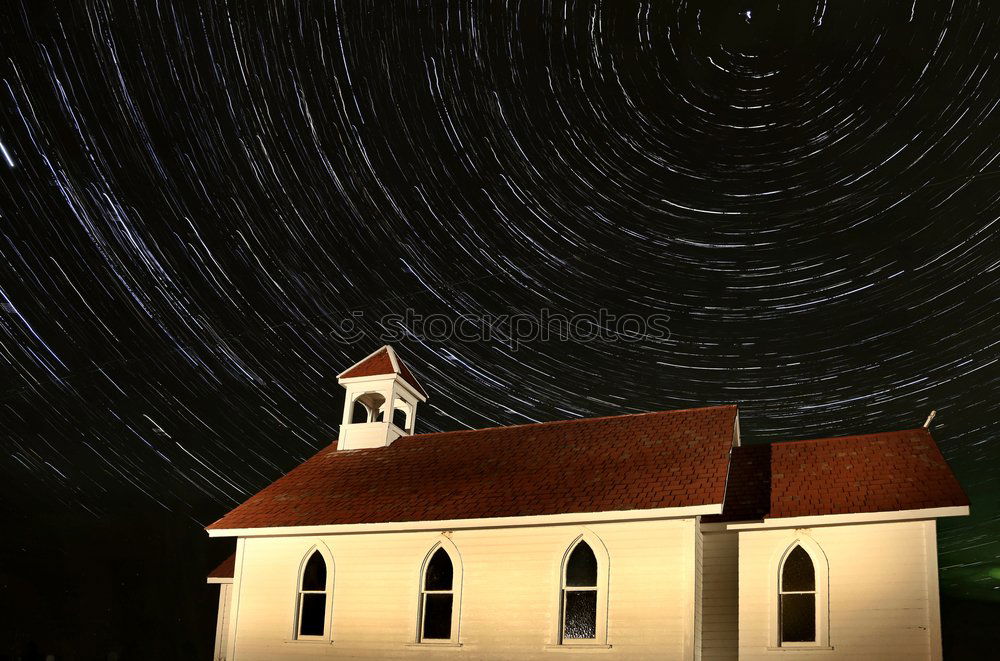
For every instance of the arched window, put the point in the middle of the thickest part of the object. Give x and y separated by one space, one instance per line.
797 598
311 617
399 418
438 590
402 414
581 596
370 403
359 413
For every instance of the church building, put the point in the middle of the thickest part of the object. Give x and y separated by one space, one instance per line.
646 536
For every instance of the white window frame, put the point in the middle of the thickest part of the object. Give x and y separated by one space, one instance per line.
821 592
603 563
324 553
455 591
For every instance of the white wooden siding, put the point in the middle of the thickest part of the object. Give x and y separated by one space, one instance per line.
222 621
510 593
880 581
720 597
698 590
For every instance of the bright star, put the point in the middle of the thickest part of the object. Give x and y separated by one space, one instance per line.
6 155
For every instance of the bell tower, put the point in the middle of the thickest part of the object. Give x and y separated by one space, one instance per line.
380 404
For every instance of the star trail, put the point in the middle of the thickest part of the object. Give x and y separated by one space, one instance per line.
197 198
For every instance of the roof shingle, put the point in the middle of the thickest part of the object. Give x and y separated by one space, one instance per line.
885 472
380 363
376 364
901 470
643 461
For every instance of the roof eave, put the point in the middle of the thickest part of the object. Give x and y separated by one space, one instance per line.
489 522
851 518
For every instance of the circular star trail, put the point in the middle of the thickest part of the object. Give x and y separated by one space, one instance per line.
197 197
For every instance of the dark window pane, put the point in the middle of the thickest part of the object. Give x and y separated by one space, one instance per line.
399 418
581 614
313 615
314 576
437 616
798 574
581 569
439 572
798 618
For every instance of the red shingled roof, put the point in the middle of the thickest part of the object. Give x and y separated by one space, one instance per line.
644 461
225 569
886 472
901 470
380 363
374 365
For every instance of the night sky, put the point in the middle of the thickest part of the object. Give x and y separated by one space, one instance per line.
197 198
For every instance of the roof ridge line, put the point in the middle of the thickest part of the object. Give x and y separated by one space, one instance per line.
563 422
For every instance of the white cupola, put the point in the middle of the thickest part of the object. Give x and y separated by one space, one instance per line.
381 401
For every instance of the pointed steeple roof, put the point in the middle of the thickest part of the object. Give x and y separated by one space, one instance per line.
379 362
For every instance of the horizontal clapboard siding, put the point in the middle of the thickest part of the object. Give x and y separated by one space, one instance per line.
510 596
880 588
720 597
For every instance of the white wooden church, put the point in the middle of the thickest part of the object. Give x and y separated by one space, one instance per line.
649 536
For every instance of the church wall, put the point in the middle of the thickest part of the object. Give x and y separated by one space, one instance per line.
222 622
720 597
882 591
510 593
699 590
